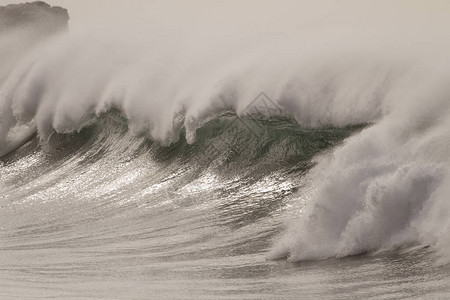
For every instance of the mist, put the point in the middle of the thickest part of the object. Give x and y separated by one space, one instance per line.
328 63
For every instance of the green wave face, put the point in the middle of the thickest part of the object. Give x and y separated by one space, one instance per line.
226 143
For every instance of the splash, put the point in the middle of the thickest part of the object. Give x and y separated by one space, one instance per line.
385 187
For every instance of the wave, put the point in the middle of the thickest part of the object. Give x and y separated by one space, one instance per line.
385 187
225 142
63 82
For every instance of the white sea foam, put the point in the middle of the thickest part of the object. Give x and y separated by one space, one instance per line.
385 187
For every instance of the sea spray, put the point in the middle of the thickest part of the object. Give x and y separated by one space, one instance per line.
383 188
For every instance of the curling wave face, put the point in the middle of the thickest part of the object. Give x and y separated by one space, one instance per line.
384 188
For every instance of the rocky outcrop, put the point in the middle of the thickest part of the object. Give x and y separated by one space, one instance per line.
37 17
23 27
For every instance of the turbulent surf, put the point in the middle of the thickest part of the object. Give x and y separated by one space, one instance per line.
125 161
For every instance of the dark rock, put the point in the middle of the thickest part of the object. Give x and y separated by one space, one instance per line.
37 17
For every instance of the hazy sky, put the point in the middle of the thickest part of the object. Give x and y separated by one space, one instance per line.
379 24
102 14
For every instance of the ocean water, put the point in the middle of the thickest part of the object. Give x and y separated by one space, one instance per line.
103 214
150 167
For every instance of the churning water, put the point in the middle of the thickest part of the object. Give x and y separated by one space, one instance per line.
296 165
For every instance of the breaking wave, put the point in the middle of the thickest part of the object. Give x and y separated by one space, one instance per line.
273 110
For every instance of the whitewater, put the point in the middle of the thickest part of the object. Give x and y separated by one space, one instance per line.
180 158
